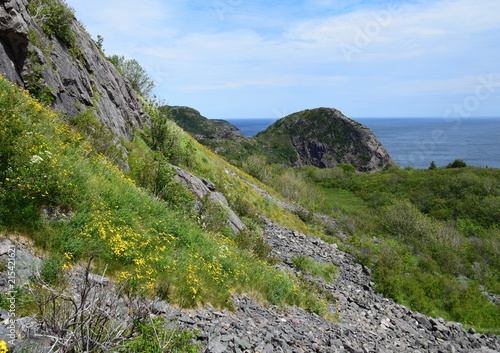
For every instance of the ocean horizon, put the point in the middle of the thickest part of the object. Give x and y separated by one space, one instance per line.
417 142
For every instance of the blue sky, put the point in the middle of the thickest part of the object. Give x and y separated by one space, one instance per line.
266 59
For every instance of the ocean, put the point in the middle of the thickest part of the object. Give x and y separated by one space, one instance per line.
417 142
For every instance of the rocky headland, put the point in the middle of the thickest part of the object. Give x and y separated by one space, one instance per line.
324 137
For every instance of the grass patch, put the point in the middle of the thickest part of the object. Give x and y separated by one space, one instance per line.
326 271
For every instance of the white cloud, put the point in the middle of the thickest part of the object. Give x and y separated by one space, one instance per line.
413 48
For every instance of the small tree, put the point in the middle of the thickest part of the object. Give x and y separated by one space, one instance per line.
457 163
433 166
257 165
135 73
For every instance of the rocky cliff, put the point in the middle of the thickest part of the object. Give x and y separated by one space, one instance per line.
72 75
324 137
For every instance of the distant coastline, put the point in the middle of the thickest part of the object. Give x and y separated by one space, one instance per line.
251 127
416 142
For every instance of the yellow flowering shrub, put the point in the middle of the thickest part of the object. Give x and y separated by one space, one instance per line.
33 167
139 239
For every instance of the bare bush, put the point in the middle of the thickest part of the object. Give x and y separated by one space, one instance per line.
83 313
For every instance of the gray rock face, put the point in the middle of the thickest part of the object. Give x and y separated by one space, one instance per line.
13 40
14 257
81 80
204 187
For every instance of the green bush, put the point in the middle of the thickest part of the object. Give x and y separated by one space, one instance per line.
257 166
152 171
34 81
153 336
212 216
99 136
55 18
252 241
165 137
327 271
457 163
134 72
51 270
403 220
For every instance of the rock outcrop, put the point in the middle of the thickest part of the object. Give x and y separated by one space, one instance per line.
75 77
202 188
324 137
200 127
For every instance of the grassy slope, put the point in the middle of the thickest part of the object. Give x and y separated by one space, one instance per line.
437 235
140 239
437 231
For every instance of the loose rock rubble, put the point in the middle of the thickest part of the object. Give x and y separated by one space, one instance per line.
367 322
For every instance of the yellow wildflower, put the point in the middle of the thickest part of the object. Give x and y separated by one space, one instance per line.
3 347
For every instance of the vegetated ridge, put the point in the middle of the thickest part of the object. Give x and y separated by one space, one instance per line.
200 127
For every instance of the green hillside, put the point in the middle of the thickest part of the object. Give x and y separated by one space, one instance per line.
191 121
56 188
431 237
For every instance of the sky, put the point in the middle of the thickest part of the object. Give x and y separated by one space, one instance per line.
233 59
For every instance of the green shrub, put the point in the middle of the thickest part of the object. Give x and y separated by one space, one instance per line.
153 336
165 137
134 72
55 18
457 163
327 271
252 241
212 216
99 136
403 220
152 171
257 166
51 270
34 81
348 168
